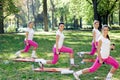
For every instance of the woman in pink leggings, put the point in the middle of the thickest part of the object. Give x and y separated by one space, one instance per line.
58 48
96 35
29 41
103 56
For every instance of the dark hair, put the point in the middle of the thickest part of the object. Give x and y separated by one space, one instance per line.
113 44
61 23
108 28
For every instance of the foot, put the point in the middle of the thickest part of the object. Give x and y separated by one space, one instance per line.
76 76
80 54
109 78
33 56
17 54
74 65
82 62
41 65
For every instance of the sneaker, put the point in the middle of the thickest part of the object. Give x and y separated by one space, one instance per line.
82 62
80 54
33 56
109 78
17 54
41 65
76 76
74 65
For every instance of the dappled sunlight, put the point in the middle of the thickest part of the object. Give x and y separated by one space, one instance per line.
77 40
115 78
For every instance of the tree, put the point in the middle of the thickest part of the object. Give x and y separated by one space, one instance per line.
102 9
7 7
53 15
119 12
45 15
1 17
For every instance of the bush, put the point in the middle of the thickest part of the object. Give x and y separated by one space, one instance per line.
115 27
11 29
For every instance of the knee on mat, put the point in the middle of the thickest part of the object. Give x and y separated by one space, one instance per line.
92 70
71 51
117 66
54 62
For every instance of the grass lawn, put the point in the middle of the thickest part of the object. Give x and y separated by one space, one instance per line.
78 40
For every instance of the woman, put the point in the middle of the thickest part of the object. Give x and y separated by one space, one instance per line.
59 47
29 41
103 56
96 35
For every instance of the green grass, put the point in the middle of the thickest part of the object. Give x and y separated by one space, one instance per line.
78 40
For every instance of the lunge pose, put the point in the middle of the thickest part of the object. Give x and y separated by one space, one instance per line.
96 35
29 41
103 56
59 47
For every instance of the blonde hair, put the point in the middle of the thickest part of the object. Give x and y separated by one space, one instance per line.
29 23
95 21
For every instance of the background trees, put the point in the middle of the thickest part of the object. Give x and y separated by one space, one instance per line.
46 14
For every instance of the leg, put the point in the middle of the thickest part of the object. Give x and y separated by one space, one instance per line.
70 51
94 67
35 45
26 49
55 57
115 66
93 49
67 50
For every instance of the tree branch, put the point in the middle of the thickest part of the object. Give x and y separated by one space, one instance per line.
98 2
89 2
112 6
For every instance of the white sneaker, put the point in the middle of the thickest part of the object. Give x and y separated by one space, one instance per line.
17 54
76 76
80 54
33 55
108 78
82 62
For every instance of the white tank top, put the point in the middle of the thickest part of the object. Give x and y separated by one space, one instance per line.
30 33
61 39
105 47
97 34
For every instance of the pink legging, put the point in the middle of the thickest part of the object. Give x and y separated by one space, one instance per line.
63 49
109 60
93 49
30 43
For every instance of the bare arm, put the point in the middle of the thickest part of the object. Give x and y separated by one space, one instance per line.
98 49
57 39
94 37
27 37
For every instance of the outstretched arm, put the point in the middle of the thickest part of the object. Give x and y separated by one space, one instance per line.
98 49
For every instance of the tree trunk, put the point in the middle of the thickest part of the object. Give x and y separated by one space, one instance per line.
33 10
111 19
119 12
61 18
105 19
28 10
1 18
95 9
66 21
53 16
45 15
81 22
96 14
